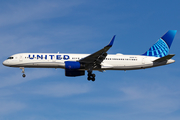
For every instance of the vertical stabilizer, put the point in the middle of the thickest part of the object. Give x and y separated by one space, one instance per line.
162 46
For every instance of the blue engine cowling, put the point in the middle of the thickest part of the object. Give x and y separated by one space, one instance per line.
72 65
72 69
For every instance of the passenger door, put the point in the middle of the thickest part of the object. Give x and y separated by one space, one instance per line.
20 58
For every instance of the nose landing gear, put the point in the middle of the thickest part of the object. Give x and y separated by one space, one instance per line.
23 72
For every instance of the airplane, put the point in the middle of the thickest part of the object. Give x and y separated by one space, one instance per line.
77 64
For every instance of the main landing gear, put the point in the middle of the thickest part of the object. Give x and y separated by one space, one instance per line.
91 76
23 72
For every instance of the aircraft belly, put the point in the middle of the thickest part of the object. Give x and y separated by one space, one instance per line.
130 67
40 65
127 67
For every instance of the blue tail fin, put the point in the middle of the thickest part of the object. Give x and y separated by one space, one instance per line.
162 46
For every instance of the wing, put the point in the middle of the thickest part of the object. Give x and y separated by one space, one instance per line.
96 58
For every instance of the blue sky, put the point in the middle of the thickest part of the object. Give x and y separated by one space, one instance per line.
81 26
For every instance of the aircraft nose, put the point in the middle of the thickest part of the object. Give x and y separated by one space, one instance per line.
5 63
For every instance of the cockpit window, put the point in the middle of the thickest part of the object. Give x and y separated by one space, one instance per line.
10 57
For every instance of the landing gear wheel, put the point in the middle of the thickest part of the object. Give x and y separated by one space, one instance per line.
93 79
91 76
23 75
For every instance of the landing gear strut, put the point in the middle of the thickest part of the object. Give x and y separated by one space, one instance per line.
23 72
91 76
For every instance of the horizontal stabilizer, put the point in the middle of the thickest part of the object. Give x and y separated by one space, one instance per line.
164 58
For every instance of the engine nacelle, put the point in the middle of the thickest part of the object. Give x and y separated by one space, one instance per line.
71 69
73 73
73 65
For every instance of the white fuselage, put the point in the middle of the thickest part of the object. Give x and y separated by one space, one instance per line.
57 60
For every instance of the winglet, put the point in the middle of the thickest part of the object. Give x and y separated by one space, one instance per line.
112 41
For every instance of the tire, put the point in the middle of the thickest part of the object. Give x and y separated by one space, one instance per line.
23 75
89 78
